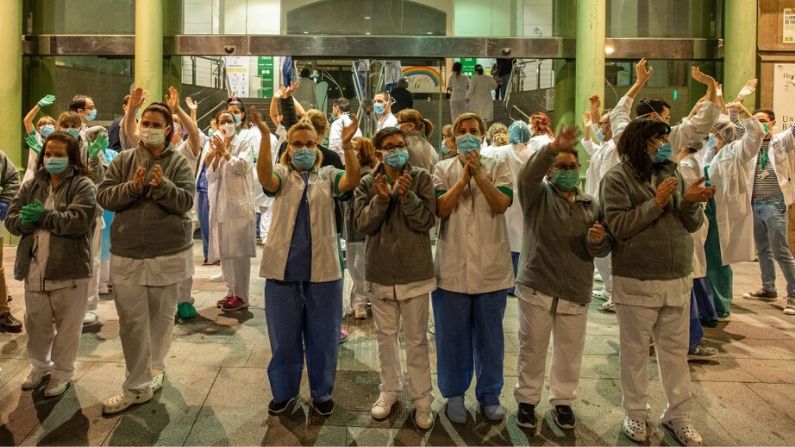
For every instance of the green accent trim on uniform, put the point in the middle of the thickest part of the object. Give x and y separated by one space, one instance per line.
273 194
440 192
337 183
508 192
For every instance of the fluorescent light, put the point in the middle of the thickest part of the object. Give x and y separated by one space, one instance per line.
609 50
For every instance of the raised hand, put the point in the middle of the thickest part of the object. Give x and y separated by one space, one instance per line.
472 159
665 190
99 145
138 179
748 89
157 176
702 77
380 186
218 143
46 101
586 119
137 98
191 104
350 130
642 71
698 193
256 118
566 138
596 234
172 99
595 102
33 143
404 184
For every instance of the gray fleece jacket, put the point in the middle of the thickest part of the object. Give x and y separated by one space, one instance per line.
154 222
556 257
70 224
651 242
397 232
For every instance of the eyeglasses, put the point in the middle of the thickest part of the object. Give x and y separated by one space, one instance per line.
391 148
569 167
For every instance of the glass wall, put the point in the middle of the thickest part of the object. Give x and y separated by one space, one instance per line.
79 17
665 18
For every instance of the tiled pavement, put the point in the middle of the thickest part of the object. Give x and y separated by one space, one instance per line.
216 390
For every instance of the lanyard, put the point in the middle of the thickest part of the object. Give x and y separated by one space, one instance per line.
764 157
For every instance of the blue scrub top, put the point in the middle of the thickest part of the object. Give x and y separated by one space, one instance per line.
299 260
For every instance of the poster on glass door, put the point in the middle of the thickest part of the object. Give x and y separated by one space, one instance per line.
237 72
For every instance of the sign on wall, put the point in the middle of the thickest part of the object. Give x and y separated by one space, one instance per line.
783 92
237 74
422 79
468 65
265 73
789 25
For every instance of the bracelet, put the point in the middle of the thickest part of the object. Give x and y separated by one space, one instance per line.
347 146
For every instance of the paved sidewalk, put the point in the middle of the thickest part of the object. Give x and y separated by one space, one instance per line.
216 389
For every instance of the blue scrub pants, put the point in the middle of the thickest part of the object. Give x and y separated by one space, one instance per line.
515 261
469 338
303 317
204 220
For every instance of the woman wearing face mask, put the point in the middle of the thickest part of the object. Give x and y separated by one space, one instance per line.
562 237
417 130
473 265
354 240
382 107
232 233
395 208
38 133
150 188
731 172
447 149
651 214
55 215
514 155
303 287
457 87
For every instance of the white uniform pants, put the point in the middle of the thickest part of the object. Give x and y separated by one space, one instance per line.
355 261
605 268
539 316
412 315
93 285
185 291
457 107
104 275
237 274
670 328
265 218
54 322
146 319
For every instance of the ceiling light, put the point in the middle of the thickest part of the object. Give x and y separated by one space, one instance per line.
609 50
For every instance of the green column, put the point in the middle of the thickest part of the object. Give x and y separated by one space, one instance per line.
590 75
149 47
172 25
11 75
565 26
739 35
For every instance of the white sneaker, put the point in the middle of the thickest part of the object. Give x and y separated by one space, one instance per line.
382 407
218 277
34 379
609 305
790 309
90 318
423 417
125 400
157 379
56 388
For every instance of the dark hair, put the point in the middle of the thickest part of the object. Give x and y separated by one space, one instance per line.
78 102
223 112
165 112
646 106
343 104
72 150
479 69
304 72
387 132
69 118
457 68
770 114
239 104
632 146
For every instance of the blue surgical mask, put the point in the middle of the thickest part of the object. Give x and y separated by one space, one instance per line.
467 142
396 158
379 108
304 158
92 115
599 135
74 133
566 180
664 152
711 142
46 130
238 118
56 165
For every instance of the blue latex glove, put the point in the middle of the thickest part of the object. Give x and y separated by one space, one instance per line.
3 210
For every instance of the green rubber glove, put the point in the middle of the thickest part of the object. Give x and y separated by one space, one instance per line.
97 146
47 101
33 142
32 212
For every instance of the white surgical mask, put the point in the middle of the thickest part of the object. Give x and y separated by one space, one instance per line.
228 130
152 137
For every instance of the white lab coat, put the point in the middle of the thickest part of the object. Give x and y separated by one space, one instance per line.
232 232
514 156
691 170
732 173
335 134
537 142
479 96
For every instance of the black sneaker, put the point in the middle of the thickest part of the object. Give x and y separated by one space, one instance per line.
279 407
9 324
324 408
526 416
762 295
564 417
